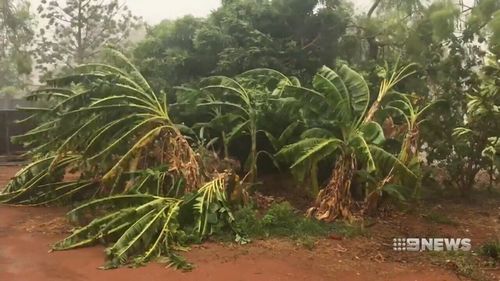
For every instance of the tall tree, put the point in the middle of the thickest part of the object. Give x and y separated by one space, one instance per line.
449 41
76 30
15 36
295 37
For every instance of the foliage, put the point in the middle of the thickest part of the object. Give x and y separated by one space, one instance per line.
169 57
291 36
280 220
448 41
413 117
106 125
463 263
144 227
125 136
76 30
16 32
247 102
339 124
491 250
440 218
480 137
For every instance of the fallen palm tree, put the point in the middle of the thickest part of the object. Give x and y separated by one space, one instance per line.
133 167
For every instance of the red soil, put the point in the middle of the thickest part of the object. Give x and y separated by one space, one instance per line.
27 233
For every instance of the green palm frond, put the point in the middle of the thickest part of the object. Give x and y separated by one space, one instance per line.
144 227
320 151
109 116
372 132
211 208
359 94
363 152
248 98
386 161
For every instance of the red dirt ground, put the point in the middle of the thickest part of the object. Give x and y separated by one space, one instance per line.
27 233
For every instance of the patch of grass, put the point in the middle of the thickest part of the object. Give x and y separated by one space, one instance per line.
463 263
349 230
439 218
491 250
282 220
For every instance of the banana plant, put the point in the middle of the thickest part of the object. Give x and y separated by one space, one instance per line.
105 125
402 106
413 116
246 100
207 134
346 133
391 76
101 122
146 227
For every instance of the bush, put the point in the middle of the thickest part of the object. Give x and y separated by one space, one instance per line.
281 220
491 250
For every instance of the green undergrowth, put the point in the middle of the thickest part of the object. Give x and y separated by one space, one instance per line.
491 251
440 219
466 264
281 220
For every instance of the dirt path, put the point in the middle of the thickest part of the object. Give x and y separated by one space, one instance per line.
27 233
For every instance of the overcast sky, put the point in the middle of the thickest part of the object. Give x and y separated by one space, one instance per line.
153 11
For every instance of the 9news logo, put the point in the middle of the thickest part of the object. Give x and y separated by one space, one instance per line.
431 244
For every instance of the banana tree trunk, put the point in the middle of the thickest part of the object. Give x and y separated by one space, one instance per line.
314 180
253 157
335 200
182 159
371 112
226 146
372 200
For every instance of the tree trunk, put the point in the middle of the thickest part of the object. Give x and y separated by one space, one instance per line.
371 112
314 180
372 201
226 146
373 8
372 42
253 154
334 201
79 40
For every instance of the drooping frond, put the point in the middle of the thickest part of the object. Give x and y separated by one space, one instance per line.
385 161
144 227
105 123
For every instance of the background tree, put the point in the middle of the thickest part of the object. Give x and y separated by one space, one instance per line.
168 55
479 136
295 37
15 35
451 54
448 41
75 30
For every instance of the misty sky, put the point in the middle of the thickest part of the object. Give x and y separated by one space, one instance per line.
153 11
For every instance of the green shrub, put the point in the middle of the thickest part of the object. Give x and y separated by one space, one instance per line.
281 220
440 219
491 250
